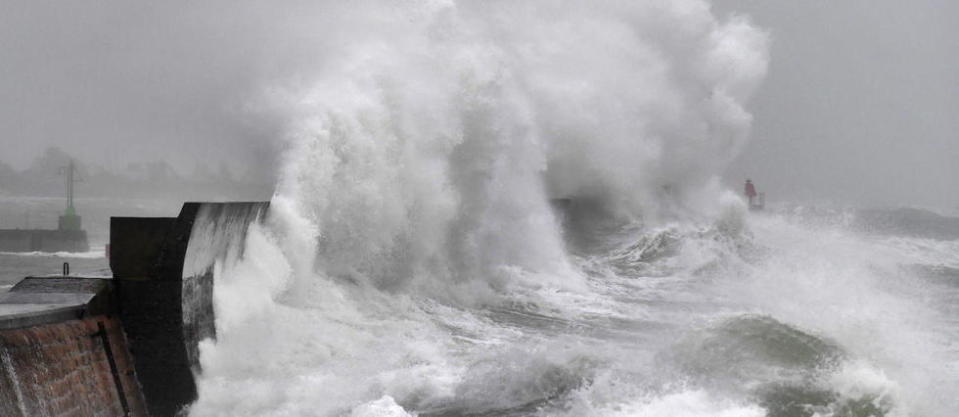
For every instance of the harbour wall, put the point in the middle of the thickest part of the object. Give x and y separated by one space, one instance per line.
41 240
71 368
126 345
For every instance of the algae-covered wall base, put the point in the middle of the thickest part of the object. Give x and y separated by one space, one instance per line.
72 368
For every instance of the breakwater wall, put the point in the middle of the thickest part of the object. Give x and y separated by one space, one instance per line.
124 345
40 240
71 368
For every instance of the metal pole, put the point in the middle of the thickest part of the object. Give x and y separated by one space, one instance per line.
70 169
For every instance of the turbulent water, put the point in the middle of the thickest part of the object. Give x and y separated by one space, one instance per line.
513 209
778 318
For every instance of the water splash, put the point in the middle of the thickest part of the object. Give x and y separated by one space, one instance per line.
430 144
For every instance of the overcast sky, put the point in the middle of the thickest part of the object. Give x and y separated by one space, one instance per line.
861 103
116 81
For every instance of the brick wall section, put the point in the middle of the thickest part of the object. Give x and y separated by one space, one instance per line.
63 370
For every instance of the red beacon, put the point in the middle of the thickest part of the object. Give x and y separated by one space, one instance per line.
757 201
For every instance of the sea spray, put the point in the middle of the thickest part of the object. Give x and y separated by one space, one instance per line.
413 261
430 144
738 323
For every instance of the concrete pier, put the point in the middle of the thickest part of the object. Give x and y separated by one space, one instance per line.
126 345
42 240
63 351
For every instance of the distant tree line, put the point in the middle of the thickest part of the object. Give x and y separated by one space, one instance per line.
156 179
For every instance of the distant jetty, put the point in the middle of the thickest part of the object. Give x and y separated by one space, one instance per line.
126 345
69 235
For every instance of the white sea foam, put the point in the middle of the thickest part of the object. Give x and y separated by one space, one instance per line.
384 407
430 148
412 261
693 403
93 254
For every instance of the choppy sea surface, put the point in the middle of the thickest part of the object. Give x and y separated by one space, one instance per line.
795 312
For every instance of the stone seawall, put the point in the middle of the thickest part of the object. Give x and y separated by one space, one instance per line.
73 368
124 345
163 269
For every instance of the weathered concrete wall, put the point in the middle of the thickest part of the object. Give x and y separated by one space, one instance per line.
218 234
149 303
16 241
135 244
163 271
75 368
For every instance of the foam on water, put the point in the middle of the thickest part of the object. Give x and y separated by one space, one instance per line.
93 254
384 407
684 403
413 263
344 346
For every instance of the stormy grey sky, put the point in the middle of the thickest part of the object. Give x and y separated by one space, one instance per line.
861 103
113 82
